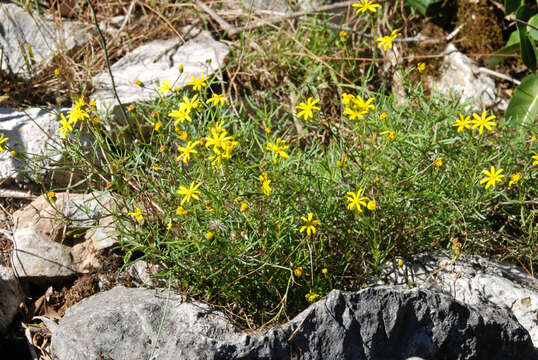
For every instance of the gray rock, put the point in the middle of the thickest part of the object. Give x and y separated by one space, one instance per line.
461 76
24 33
375 323
154 62
10 297
32 131
69 212
474 280
40 259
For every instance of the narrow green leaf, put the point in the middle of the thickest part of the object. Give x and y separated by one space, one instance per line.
523 106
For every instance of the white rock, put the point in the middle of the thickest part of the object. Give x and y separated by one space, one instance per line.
461 76
32 131
24 31
36 257
10 297
475 280
154 62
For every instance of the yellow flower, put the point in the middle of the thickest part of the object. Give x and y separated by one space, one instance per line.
481 121
324 271
400 263
188 104
492 177
3 139
278 148
209 235
51 195
217 99
309 226
355 113
463 123
139 83
216 159
365 5
389 134
244 207
533 138
438 162
182 134
165 87
217 139
66 126
198 84
311 296
180 115
95 121
267 130
372 205
186 151
13 153
298 272
421 67
386 41
514 179
339 163
77 113
180 68
57 72
169 225
535 158
137 215
189 193
365 106
347 99
383 116
306 108
158 125
180 211
356 200
265 184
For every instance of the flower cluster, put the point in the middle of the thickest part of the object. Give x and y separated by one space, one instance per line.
80 112
355 107
480 121
356 200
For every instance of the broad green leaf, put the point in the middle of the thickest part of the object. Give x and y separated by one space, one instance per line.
511 5
528 48
511 47
423 6
533 33
523 106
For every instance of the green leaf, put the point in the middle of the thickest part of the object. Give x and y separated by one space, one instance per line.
523 106
511 47
533 33
423 6
528 48
511 5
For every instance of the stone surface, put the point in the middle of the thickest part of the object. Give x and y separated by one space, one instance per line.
70 213
475 280
155 62
38 258
28 40
10 297
375 323
32 131
461 76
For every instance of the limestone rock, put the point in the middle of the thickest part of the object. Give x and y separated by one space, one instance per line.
29 40
38 258
76 213
10 297
32 131
155 62
475 280
461 76
375 323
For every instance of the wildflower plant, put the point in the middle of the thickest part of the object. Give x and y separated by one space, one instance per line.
245 203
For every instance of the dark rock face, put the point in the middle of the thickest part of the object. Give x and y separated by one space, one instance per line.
376 323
